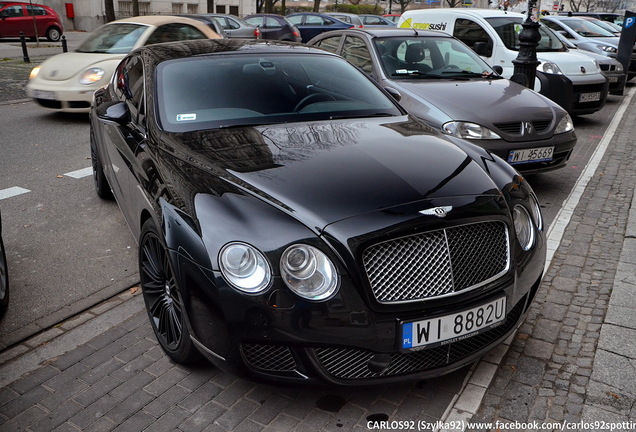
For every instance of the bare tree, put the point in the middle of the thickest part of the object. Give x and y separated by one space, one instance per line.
403 4
454 3
109 10
316 6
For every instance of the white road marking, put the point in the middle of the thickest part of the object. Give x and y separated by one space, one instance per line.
85 172
12 191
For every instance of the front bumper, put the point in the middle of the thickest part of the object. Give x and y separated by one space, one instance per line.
63 96
563 145
343 341
570 94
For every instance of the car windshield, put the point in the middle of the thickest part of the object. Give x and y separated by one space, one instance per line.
431 57
587 28
238 90
113 39
509 28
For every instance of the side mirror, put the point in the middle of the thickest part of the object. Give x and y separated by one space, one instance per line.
394 93
481 48
116 112
498 69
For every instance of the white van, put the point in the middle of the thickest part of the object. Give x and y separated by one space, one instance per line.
571 79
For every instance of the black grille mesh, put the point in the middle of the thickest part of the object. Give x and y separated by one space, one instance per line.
436 263
271 358
348 363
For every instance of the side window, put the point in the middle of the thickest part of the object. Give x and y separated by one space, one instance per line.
331 44
356 52
471 33
130 87
13 11
315 20
233 25
296 20
272 23
558 29
174 32
221 22
35 10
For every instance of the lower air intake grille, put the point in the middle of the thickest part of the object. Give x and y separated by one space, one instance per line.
271 358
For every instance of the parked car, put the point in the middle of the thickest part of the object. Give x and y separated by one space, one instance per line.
4 276
296 225
376 21
214 25
440 80
609 26
610 67
587 35
615 18
393 17
349 18
311 24
17 17
235 27
66 82
274 27
570 79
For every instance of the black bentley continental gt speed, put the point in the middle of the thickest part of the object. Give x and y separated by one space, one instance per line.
295 224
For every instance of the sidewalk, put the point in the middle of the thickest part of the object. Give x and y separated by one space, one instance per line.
572 361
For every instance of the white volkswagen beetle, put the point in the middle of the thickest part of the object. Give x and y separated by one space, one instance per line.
66 82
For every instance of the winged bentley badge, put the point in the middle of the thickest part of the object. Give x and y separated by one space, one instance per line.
437 211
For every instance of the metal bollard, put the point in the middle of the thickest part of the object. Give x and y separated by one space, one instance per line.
64 47
25 53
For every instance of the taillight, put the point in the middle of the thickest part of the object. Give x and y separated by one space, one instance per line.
257 33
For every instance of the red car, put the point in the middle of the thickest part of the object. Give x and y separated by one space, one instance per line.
16 17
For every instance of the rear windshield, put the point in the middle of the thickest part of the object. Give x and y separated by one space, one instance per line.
113 39
248 89
508 29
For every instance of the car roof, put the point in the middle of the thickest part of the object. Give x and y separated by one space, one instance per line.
391 32
486 13
155 20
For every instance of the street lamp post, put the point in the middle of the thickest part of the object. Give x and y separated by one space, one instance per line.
526 62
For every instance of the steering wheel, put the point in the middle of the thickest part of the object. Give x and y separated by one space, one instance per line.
313 98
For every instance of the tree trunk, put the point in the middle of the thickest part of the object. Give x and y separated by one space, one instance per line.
109 10
316 6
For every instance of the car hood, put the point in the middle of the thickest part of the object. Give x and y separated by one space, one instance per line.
323 172
64 66
499 99
570 62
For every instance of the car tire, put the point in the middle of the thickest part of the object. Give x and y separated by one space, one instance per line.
99 178
4 281
53 34
163 298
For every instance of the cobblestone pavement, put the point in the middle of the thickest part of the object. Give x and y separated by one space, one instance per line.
574 358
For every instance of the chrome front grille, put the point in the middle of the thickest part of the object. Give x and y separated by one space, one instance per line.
518 128
437 263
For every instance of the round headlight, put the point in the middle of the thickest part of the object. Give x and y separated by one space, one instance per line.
551 68
308 272
523 227
536 212
244 267
91 76
469 130
619 67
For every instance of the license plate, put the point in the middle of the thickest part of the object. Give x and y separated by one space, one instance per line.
41 94
590 97
613 79
453 327
530 155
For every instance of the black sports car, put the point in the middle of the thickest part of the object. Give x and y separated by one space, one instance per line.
4 276
295 224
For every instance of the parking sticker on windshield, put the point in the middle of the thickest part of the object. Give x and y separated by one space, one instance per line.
186 117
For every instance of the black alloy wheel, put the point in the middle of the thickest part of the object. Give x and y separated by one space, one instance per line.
162 297
102 188
4 281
